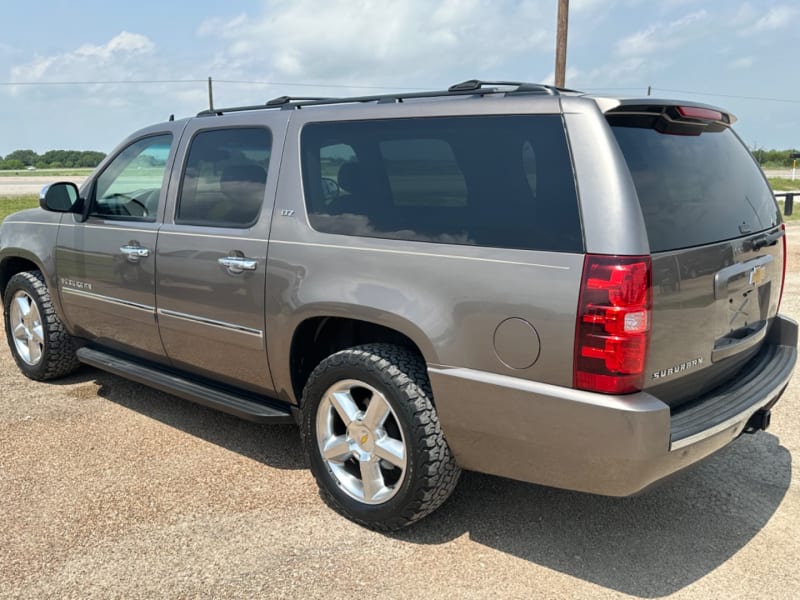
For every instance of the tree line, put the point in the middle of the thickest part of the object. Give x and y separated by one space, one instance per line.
52 159
773 158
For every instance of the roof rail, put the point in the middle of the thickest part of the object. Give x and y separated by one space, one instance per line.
472 87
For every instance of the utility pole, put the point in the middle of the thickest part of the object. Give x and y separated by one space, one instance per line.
210 95
561 42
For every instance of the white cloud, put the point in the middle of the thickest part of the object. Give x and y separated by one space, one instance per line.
662 36
123 56
775 18
745 62
369 42
750 21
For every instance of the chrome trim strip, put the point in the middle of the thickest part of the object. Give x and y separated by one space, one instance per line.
427 254
34 223
211 322
109 300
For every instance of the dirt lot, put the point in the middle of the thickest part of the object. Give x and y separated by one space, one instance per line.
110 489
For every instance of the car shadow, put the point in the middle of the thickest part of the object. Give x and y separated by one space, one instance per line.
649 545
274 445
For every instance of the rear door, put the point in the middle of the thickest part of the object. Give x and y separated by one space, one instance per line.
212 251
716 239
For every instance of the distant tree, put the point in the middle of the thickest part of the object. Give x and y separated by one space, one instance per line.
27 157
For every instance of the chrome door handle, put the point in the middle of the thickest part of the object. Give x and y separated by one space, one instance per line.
238 264
134 253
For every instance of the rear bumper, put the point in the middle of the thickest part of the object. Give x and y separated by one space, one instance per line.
610 445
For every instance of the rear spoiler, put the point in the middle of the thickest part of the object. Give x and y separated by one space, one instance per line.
650 106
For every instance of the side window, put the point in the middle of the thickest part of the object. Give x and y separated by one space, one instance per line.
225 178
494 181
130 186
423 172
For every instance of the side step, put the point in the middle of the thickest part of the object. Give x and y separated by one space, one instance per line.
187 389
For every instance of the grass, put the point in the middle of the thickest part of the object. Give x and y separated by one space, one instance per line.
781 184
46 173
12 204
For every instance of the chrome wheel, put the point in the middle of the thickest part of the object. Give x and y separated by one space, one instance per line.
361 442
26 328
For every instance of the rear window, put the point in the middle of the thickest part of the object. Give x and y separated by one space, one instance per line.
694 189
498 181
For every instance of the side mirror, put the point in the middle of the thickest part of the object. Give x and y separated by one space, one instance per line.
60 197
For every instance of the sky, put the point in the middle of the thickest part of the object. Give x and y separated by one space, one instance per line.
740 55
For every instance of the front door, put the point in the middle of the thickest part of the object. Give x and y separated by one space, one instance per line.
212 255
105 265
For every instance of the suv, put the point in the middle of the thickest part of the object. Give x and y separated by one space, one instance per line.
576 291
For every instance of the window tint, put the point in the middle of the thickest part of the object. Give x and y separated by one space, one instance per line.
130 186
225 178
499 181
694 189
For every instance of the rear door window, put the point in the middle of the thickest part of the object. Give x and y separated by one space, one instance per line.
496 181
694 189
225 178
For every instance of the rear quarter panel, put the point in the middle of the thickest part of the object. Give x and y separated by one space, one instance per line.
448 299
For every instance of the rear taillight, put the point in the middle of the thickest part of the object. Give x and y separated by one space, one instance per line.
613 328
783 270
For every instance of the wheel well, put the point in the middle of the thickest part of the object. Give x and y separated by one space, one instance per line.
10 267
317 338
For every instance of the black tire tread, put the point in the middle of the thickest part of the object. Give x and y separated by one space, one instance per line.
59 358
438 471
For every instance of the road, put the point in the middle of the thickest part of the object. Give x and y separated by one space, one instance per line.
111 489
18 186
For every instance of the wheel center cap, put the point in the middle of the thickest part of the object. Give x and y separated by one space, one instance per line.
362 437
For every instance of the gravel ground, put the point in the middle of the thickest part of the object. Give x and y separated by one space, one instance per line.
110 489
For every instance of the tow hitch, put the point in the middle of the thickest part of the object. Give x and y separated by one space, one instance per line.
760 420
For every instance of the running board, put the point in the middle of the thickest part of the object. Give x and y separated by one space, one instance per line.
187 389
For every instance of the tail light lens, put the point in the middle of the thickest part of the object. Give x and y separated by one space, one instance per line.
613 328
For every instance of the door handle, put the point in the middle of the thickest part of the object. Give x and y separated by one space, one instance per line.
238 264
134 252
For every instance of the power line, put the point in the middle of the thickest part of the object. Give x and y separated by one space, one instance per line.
183 81
761 98
353 86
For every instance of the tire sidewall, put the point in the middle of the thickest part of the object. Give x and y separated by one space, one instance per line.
368 513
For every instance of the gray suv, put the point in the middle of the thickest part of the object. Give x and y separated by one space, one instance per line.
576 291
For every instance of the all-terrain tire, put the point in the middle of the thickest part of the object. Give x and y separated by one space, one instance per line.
431 472
56 352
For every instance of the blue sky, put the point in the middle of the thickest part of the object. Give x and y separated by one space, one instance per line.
736 54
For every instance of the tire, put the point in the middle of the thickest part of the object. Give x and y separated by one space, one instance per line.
391 466
41 346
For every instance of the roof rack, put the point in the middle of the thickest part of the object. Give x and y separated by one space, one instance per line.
472 87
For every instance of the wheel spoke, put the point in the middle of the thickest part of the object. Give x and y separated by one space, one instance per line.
345 406
376 412
337 448
372 478
21 332
392 451
38 334
23 305
35 351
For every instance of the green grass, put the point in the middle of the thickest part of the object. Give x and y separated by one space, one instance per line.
46 173
781 184
12 204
